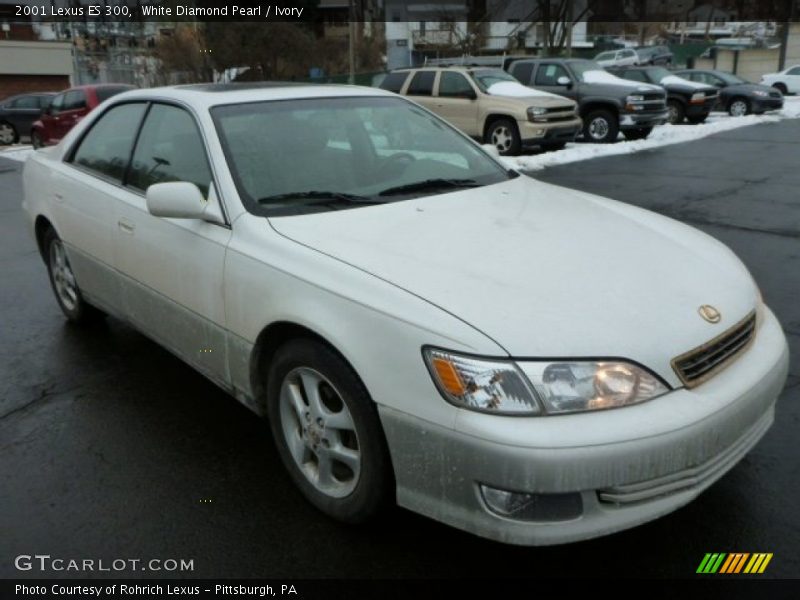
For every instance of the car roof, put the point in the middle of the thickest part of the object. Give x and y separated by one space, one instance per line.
206 95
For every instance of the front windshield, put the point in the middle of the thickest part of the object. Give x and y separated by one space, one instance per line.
658 73
581 67
486 78
308 155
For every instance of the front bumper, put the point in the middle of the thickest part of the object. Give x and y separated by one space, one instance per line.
628 465
764 104
534 134
639 120
700 109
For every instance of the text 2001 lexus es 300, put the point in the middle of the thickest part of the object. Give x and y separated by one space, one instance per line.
420 324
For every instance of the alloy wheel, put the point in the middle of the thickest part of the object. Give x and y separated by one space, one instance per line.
63 278
7 134
598 128
502 138
320 432
738 108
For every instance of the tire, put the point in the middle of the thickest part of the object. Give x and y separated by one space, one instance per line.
62 280
503 134
354 490
601 126
677 112
738 107
781 87
637 134
8 134
36 140
697 120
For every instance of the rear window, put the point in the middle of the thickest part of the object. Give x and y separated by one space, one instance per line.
422 84
104 93
393 82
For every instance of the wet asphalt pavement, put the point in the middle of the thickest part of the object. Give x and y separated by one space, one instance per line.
112 448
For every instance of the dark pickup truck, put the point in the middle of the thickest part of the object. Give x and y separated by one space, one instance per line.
607 104
685 99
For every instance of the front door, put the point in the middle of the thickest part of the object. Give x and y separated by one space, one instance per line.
457 103
172 269
552 77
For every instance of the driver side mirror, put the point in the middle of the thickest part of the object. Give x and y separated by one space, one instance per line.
469 95
176 200
565 81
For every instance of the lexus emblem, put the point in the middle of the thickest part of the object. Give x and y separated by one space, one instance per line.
709 313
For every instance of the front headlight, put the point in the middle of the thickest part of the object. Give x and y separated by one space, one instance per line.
634 98
532 387
534 112
698 97
760 93
579 386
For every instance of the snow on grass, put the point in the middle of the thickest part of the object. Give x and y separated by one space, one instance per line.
18 153
663 135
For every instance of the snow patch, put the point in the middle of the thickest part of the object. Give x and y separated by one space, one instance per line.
675 80
606 77
517 90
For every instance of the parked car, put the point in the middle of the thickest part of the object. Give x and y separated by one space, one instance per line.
655 55
685 99
617 58
69 107
18 113
737 96
491 106
388 292
607 104
786 82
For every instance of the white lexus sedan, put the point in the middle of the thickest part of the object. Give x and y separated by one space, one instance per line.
420 324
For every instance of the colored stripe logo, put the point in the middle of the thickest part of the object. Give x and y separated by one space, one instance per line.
734 563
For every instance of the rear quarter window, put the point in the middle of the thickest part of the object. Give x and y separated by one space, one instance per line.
393 82
422 83
523 72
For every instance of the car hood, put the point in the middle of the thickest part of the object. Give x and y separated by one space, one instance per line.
545 271
747 88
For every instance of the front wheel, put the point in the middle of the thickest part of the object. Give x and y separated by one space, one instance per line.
62 280
8 135
781 88
676 112
739 107
327 432
503 134
637 134
601 126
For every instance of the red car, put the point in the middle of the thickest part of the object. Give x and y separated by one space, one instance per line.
69 107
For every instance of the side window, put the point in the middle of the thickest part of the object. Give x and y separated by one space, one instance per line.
628 53
523 72
74 100
795 71
170 148
57 105
422 83
454 85
393 82
25 102
107 147
548 74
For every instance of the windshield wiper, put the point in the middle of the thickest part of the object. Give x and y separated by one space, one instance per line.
326 196
429 184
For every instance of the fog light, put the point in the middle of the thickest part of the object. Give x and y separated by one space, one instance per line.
523 506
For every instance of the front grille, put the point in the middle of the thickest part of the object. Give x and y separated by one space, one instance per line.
700 364
556 119
567 108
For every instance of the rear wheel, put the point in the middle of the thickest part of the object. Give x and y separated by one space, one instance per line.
327 432
504 135
781 88
738 107
676 112
637 134
62 280
36 139
601 126
8 134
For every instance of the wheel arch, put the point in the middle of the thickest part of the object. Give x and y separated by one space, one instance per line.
588 107
492 118
41 225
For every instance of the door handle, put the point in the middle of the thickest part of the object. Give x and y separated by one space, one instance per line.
126 226
58 197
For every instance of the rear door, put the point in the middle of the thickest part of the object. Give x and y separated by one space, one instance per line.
86 187
456 102
51 118
172 269
420 88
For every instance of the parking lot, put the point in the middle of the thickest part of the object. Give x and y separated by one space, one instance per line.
111 447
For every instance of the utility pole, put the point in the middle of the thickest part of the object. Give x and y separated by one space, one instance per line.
569 28
787 25
351 46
